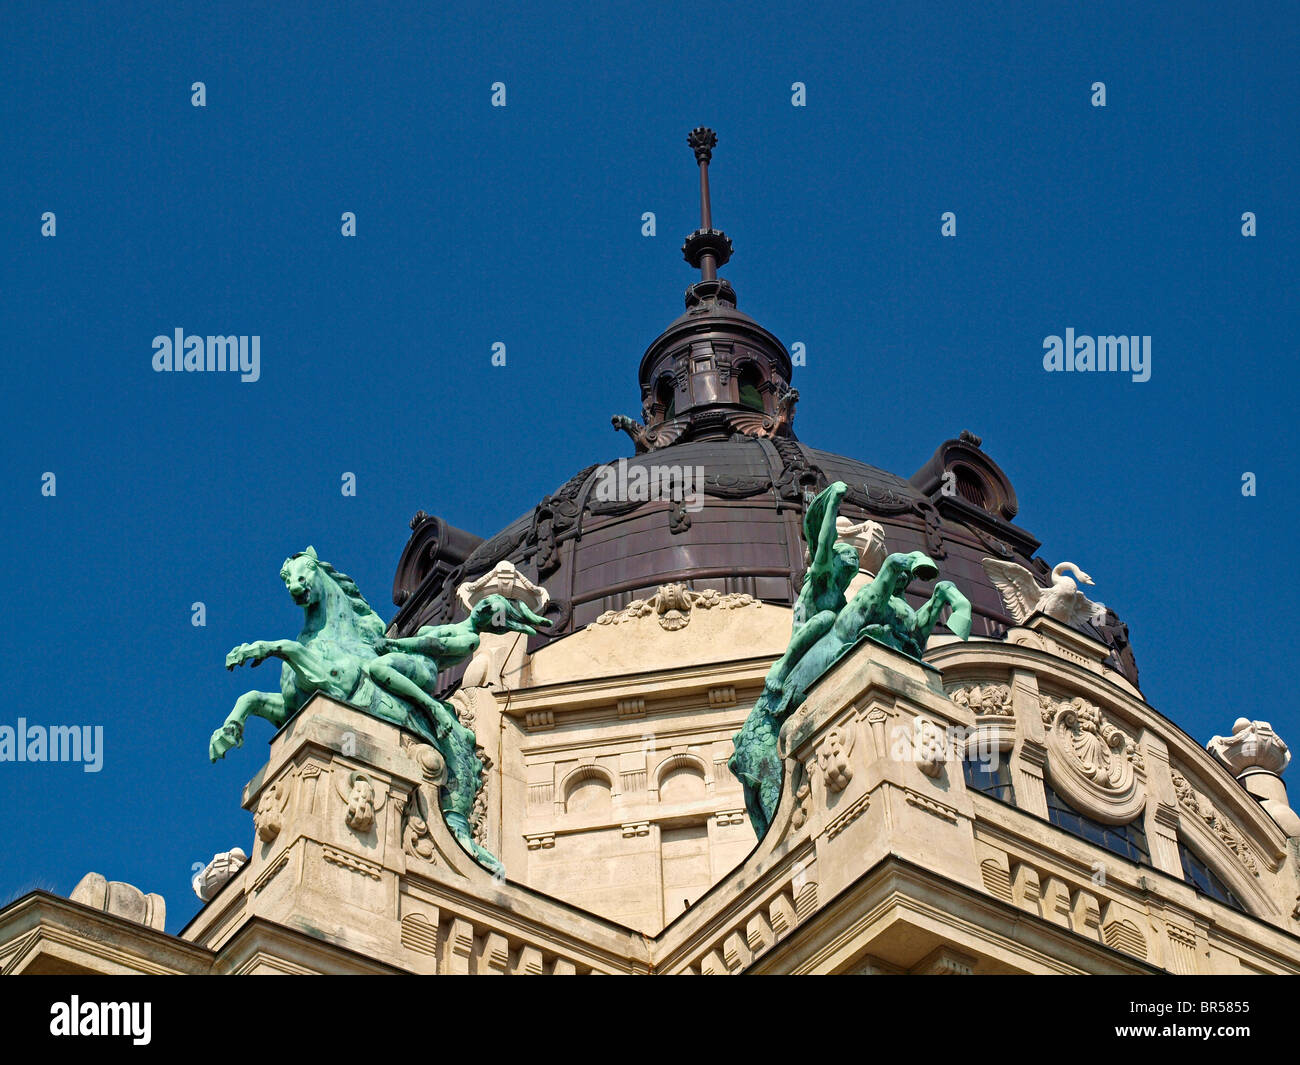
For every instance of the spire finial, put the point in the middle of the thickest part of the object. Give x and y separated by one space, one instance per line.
707 248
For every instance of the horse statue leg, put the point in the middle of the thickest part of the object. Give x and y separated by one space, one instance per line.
269 705
314 671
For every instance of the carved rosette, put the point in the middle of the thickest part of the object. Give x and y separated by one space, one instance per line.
1093 763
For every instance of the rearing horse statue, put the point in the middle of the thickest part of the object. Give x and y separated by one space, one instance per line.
825 629
343 653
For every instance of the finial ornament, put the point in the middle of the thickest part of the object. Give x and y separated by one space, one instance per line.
703 140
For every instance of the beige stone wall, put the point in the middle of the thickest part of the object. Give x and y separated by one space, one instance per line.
609 802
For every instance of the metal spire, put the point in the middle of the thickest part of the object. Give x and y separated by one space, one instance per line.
707 248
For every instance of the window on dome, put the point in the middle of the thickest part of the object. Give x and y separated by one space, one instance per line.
1128 841
971 488
990 777
1205 880
748 381
667 397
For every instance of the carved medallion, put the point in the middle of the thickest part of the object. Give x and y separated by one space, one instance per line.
1093 763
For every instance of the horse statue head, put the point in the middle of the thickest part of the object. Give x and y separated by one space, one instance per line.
330 599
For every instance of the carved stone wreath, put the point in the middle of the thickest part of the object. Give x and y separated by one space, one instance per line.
1094 764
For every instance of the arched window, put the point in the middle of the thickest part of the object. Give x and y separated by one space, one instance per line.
989 776
748 381
1128 841
666 397
1205 880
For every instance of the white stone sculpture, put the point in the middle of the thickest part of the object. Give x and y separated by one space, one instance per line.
217 872
498 653
867 538
121 899
1252 745
1023 596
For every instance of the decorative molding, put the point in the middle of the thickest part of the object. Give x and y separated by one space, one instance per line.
630 708
1124 935
673 605
419 934
997 881
539 720
723 696
584 772
352 863
270 873
922 802
540 841
680 760
1196 803
856 810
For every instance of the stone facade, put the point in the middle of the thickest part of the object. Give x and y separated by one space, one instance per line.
626 849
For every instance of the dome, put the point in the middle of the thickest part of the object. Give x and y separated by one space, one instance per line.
714 496
742 534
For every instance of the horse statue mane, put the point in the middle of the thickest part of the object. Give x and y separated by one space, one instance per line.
360 606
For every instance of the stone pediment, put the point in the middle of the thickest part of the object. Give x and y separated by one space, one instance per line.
676 627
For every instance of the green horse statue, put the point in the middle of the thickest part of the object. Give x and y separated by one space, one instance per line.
342 652
826 628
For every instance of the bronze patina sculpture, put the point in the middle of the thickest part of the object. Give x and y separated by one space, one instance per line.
825 629
342 652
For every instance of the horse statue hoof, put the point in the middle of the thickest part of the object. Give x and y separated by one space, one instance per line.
224 739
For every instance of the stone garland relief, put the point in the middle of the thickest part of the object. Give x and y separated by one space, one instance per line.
1094 763
1197 804
673 604
269 818
833 757
984 699
362 799
417 840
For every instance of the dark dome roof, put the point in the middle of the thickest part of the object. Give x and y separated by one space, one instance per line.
594 554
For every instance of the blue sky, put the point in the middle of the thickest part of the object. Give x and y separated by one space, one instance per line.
522 225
